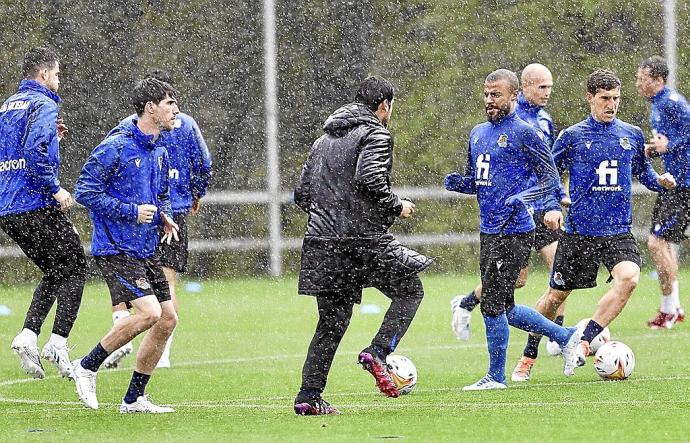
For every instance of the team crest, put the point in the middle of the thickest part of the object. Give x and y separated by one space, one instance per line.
558 279
503 140
625 143
160 163
142 283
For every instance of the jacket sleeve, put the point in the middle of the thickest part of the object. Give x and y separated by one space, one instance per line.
642 167
548 186
202 164
41 148
679 113
372 173
302 194
93 182
463 183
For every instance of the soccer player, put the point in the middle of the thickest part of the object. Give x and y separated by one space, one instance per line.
503 156
190 172
601 155
345 188
537 84
33 209
124 183
670 121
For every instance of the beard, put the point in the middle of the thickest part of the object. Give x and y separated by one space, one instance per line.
502 112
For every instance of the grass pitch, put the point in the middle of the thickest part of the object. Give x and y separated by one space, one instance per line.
240 345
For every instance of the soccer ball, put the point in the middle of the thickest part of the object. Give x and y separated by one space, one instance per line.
614 361
598 341
403 372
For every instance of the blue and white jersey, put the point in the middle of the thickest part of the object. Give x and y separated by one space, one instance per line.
190 161
601 159
126 170
671 116
503 157
29 150
540 119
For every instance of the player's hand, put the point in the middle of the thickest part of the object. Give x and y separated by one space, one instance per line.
145 213
196 205
667 181
566 202
658 145
553 220
408 209
62 129
64 198
170 229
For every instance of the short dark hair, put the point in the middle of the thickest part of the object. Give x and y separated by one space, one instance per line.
504 74
161 75
602 79
37 59
373 91
150 90
657 67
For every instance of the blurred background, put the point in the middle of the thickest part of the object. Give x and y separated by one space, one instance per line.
226 57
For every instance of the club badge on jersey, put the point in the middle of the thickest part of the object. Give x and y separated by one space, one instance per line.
503 140
625 143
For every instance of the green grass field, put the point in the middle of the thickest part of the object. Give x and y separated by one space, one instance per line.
240 345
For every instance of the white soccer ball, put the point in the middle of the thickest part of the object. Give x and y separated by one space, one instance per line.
403 372
598 341
614 361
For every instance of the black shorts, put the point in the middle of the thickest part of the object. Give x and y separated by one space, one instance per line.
578 257
501 257
174 255
130 278
671 215
543 236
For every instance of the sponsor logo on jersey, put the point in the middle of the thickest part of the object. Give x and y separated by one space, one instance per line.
13 106
12 165
503 140
625 143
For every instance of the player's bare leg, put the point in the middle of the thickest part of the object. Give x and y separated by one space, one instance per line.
666 265
171 277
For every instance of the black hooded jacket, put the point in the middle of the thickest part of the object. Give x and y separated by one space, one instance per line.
345 185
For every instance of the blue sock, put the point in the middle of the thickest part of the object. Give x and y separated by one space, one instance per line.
469 302
95 358
591 330
137 386
525 318
497 334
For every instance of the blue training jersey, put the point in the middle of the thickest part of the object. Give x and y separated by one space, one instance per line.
540 119
503 156
601 159
190 161
29 150
671 116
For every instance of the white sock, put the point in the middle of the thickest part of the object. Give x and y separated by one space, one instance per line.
166 350
119 315
58 340
675 295
29 335
668 306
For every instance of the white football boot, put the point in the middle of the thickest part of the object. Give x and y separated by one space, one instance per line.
143 404
484 384
118 355
85 380
461 319
553 348
573 354
59 356
27 351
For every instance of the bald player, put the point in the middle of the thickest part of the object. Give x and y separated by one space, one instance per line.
537 84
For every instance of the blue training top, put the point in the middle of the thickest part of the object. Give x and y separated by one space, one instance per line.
601 159
503 156
671 116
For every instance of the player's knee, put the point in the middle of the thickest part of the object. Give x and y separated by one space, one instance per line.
150 317
629 281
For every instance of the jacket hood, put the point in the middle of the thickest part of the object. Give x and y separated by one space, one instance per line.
349 116
130 128
33 85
